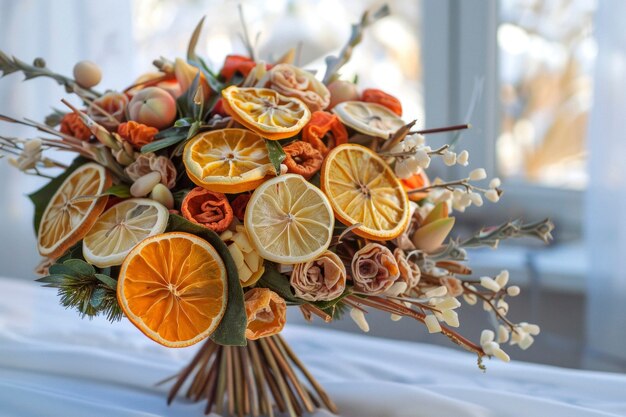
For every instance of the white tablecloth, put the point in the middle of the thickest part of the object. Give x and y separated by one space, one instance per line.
52 363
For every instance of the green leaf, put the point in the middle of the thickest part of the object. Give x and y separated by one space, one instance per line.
97 297
231 330
278 283
119 190
41 197
193 130
191 48
166 138
107 280
80 267
276 154
184 122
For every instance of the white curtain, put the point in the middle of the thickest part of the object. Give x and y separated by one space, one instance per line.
606 197
62 32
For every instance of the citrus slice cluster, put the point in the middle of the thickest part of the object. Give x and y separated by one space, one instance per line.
266 112
368 118
73 209
173 288
227 160
120 228
363 189
289 220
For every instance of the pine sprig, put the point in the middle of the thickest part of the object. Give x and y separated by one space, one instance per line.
84 289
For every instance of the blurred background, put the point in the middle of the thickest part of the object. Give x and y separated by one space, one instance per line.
542 82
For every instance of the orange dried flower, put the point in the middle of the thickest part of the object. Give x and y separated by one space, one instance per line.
71 124
373 95
239 205
114 104
303 159
137 134
266 312
238 63
324 125
207 208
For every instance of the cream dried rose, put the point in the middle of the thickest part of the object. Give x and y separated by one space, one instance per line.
292 81
409 271
321 279
148 162
453 285
374 269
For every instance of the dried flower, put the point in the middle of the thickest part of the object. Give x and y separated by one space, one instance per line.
266 312
463 158
303 159
374 269
373 95
239 205
292 81
43 268
148 162
453 285
136 133
478 174
207 208
409 271
30 155
114 104
324 131
321 279
72 124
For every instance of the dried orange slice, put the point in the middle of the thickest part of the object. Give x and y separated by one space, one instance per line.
172 287
368 118
227 160
289 220
363 189
266 112
120 228
73 209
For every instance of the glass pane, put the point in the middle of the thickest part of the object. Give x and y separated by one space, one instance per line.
388 58
546 56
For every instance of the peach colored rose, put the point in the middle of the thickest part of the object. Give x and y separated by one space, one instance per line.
374 269
321 279
207 208
409 271
112 103
266 312
148 162
137 134
292 81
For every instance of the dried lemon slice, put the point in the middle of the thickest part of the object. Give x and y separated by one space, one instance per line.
266 112
73 209
363 189
120 228
368 118
289 220
227 160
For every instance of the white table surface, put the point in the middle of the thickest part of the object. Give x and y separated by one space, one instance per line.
52 363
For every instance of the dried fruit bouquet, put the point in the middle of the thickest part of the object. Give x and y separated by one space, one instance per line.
201 204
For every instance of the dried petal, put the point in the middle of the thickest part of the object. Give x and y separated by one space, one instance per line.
239 205
114 104
303 159
266 312
374 269
207 208
321 279
137 134
454 286
292 81
72 124
373 95
146 163
324 126
409 271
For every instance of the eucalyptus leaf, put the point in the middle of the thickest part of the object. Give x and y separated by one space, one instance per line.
119 190
276 154
80 267
191 48
166 138
97 297
107 280
278 283
232 328
41 197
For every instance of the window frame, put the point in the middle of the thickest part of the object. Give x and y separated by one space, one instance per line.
459 47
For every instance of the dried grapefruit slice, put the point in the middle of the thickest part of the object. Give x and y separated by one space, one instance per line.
120 228
73 209
266 112
227 160
289 220
368 118
172 287
363 189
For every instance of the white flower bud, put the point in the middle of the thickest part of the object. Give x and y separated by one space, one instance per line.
422 158
448 303
502 278
492 195
432 324
490 284
413 141
503 307
395 317
476 198
490 347
449 158
487 306
406 167
359 318
526 342
530 328
495 183
500 354
451 318
33 146
487 336
478 174
513 291
440 291
470 299
463 158
503 334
